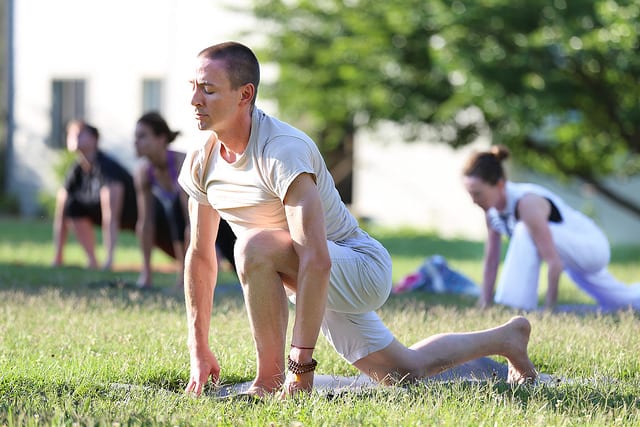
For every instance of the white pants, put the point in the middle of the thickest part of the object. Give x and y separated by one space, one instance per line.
585 252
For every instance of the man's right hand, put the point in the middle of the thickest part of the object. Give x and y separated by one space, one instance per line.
203 365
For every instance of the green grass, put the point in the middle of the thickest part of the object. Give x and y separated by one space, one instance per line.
76 352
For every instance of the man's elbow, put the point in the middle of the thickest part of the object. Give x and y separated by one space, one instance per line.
320 265
195 256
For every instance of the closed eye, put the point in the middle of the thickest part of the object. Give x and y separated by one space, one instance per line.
206 88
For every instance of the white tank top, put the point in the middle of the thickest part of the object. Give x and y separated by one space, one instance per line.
504 221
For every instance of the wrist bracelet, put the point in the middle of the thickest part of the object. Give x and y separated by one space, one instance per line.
301 368
301 348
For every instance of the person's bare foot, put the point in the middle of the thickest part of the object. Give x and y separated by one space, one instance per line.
521 369
258 392
263 388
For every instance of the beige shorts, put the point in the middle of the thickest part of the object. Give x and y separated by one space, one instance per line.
360 283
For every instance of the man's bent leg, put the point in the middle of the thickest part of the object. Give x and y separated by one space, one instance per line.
265 259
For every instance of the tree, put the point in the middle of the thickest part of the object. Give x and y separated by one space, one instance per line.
343 65
557 82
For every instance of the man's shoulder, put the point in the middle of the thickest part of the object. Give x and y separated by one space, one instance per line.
271 127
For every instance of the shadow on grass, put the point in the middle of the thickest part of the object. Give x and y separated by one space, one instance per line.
82 282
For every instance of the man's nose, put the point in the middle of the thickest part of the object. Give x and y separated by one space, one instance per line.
195 98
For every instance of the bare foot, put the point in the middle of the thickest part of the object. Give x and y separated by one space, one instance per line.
521 369
258 392
265 388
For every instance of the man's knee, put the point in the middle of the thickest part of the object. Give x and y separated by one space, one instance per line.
252 246
259 248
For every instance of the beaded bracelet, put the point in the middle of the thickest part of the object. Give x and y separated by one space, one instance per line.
301 368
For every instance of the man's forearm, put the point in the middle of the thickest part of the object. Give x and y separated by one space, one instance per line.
311 297
199 283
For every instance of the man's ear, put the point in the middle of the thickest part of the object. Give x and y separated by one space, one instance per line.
248 92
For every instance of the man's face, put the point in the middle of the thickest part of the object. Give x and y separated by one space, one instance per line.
216 103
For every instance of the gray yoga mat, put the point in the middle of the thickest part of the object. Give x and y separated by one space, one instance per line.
482 369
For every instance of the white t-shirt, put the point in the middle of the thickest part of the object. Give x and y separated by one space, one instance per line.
249 192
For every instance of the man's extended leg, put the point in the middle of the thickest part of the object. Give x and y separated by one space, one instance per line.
443 351
264 261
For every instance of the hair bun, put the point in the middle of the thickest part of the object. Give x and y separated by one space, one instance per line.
500 152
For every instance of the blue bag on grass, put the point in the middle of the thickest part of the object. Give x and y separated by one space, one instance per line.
435 276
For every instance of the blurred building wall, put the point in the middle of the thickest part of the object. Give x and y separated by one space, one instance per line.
112 46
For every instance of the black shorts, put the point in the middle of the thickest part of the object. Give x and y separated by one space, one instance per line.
75 208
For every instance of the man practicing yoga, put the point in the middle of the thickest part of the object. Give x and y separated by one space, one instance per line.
296 238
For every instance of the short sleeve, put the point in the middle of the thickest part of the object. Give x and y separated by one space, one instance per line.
285 159
193 172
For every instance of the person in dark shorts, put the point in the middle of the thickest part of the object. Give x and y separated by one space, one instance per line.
97 191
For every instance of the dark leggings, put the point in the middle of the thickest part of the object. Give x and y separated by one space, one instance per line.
225 240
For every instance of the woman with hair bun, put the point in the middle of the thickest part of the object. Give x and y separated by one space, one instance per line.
541 227
162 204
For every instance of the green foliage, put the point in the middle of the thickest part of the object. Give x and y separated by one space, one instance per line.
347 64
61 167
557 82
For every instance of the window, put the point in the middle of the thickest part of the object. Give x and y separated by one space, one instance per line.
151 95
68 103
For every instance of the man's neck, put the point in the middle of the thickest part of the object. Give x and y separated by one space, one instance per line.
235 139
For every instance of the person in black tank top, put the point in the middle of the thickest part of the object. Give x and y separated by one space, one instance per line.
93 179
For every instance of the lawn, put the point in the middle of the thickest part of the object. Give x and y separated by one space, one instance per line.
78 349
